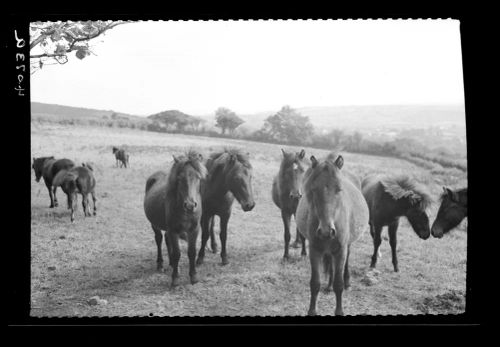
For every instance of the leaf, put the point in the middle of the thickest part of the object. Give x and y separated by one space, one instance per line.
81 53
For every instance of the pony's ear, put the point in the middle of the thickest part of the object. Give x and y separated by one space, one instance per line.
200 157
176 160
453 195
232 159
339 162
34 159
283 151
302 154
314 161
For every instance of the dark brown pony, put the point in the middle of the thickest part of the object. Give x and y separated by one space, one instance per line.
452 211
173 203
331 215
229 177
121 156
48 167
287 191
389 198
76 180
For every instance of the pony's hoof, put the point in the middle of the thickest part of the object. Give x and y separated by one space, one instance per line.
194 279
396 269
311 313
213 249
328 290
175 283
159 267
296 244
339 312
199 261
224 261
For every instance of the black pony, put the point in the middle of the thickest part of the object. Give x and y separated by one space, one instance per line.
229 177
48 167
389 198
121 156
452 211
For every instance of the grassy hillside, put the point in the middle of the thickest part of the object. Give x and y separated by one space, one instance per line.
113 255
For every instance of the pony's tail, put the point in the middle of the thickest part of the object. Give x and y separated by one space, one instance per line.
327 264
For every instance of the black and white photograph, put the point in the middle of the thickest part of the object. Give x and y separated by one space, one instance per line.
247 168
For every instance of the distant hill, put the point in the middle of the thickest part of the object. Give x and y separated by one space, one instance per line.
59 112
373 117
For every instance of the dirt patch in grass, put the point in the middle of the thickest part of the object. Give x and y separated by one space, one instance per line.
450 302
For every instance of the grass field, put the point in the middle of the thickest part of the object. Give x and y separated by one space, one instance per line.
113 255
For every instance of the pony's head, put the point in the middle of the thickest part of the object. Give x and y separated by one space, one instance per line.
452 211
292 171
115 150
37 166
185 178
237 171
322 187
413 199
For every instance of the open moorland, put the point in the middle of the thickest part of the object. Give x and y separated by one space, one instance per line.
113 255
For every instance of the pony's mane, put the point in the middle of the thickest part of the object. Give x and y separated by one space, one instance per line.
240 156
192 158
460 192
403 186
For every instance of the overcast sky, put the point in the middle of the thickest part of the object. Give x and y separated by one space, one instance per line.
251 66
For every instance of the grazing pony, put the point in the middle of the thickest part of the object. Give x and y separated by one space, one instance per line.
452 211
332 215
48 167
287 191
121 157
229 177
172 203
389 198
76 180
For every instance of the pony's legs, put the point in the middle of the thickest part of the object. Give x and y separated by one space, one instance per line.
393 241
314 257
286 223
224 219
74 204
329 270
51 195
174 257
55 197
85 205
338 282
347 274
298 239
213 242
303 241
192 237
376 231
204 238
94 200
158 239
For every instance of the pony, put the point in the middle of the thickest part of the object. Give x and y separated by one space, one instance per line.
331 216
287 191
121 156
79 179
229 177
172 203
48 167
452 211
389 198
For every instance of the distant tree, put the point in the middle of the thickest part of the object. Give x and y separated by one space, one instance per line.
51 42
289 126
337 137
227 120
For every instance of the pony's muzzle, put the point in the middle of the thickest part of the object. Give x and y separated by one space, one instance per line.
190 206
327 233
437 232
248 206
295 196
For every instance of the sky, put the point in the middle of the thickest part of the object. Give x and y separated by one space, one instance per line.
253 66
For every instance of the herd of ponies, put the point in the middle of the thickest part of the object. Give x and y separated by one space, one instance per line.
332 207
